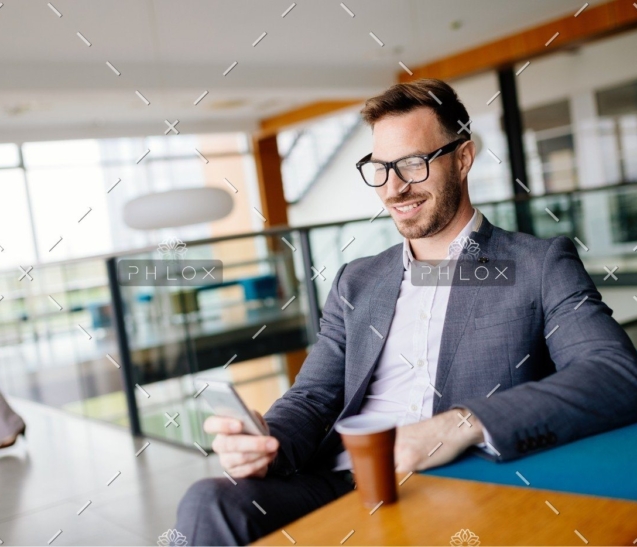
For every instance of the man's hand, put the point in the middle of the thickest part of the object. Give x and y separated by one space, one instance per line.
241 455
416 443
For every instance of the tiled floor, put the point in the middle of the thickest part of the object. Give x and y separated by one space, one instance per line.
67 461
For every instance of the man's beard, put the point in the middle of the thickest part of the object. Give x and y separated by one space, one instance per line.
446 207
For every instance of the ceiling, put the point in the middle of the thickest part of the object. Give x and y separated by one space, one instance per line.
53 85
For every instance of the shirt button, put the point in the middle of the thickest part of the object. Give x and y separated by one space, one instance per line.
424 315
420 362
413 408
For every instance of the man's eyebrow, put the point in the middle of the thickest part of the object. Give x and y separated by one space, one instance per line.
414 153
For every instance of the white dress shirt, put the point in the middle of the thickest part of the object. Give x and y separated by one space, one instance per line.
403 382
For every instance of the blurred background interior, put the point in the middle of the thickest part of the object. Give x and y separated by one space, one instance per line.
157 103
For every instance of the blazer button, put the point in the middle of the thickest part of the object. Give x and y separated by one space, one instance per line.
521 446
542 440
531 443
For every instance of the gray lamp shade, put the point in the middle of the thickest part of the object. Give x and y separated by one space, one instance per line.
177 208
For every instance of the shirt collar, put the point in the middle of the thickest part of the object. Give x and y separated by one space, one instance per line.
472 226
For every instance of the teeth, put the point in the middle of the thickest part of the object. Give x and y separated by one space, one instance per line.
408 207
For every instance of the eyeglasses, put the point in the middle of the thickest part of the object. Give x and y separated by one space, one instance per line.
410 169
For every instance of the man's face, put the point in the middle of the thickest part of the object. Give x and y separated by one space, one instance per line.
418 132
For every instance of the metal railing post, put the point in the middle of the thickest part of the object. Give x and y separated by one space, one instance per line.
312 296
126 364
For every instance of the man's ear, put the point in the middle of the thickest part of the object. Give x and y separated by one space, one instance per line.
465 157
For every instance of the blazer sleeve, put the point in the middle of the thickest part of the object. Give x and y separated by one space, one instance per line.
594 388
303 415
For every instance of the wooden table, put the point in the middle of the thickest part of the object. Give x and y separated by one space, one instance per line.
431 510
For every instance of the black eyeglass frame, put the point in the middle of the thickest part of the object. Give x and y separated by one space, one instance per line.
446 149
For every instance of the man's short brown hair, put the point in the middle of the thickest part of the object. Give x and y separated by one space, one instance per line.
429 92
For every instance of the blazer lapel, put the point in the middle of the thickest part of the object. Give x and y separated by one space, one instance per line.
459 309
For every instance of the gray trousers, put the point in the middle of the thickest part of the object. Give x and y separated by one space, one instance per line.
216 512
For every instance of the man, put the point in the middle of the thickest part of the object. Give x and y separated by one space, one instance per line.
502 369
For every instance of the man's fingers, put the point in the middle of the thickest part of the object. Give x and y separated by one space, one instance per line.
244 443
250 468
221 424
234 459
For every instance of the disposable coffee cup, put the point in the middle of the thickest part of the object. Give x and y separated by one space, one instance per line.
370 439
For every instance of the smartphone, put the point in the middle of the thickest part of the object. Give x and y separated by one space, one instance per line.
224 400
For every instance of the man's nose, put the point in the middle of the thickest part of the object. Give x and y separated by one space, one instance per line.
395 185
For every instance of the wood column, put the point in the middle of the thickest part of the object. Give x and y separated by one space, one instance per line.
274 208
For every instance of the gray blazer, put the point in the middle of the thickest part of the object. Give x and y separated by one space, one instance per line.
565 368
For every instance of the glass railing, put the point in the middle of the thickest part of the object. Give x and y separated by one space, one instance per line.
130 355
